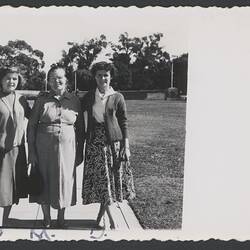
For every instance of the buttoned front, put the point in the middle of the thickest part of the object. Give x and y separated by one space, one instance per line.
115 116
54 132
53 111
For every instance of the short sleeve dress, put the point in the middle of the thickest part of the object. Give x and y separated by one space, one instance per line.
54 132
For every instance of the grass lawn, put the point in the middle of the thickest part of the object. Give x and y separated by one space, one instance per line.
157 138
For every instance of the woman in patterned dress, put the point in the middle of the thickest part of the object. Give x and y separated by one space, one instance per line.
13 165
106 134
55 132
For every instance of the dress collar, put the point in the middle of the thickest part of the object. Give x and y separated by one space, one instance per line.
109 92
66 94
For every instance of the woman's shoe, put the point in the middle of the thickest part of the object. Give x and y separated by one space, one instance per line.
112 226
46 223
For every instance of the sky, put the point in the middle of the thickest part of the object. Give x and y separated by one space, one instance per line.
50 28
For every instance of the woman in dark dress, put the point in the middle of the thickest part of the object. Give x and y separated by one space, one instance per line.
106 134
13 165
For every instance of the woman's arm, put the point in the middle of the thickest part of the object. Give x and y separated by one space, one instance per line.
121 115
80 136
26 107
31 131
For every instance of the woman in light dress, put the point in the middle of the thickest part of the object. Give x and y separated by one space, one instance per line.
55 139
13 165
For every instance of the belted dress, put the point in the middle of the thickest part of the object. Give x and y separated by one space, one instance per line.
55 133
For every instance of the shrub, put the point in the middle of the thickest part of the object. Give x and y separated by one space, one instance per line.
172 92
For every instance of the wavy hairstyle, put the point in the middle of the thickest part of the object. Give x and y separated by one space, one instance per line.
109 67
9 70
53 68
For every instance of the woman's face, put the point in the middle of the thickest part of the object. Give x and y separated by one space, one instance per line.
58 80
9 82
103 79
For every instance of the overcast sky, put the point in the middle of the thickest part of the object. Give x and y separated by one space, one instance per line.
50 28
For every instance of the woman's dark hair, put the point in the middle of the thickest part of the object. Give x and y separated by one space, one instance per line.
104 66
53 68
109 67
9 70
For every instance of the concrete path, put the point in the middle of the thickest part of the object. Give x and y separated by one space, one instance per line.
80 218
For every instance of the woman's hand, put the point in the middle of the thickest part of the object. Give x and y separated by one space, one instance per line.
125 151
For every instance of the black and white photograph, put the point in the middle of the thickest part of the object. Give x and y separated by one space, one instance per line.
124 123
92 119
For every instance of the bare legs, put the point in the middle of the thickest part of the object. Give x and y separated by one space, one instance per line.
111 220
100 214
47 217
6 213
105 208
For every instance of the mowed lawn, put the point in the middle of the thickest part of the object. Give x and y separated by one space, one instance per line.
157 141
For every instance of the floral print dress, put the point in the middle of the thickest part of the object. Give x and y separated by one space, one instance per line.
106 179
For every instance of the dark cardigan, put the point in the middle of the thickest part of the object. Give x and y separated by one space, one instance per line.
115 118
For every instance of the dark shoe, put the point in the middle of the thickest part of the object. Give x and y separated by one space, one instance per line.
112 225
46 224
97 226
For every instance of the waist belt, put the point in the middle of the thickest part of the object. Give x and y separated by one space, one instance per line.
54 127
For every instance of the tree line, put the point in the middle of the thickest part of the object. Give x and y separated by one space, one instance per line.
141 63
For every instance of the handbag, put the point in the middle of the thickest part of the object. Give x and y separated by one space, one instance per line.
128 180
35 181
124 181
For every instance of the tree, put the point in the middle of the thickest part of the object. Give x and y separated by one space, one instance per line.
83 55
20 54
144 58
141 62
127 48
151 65
180 73
37 81
123 80
124 54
